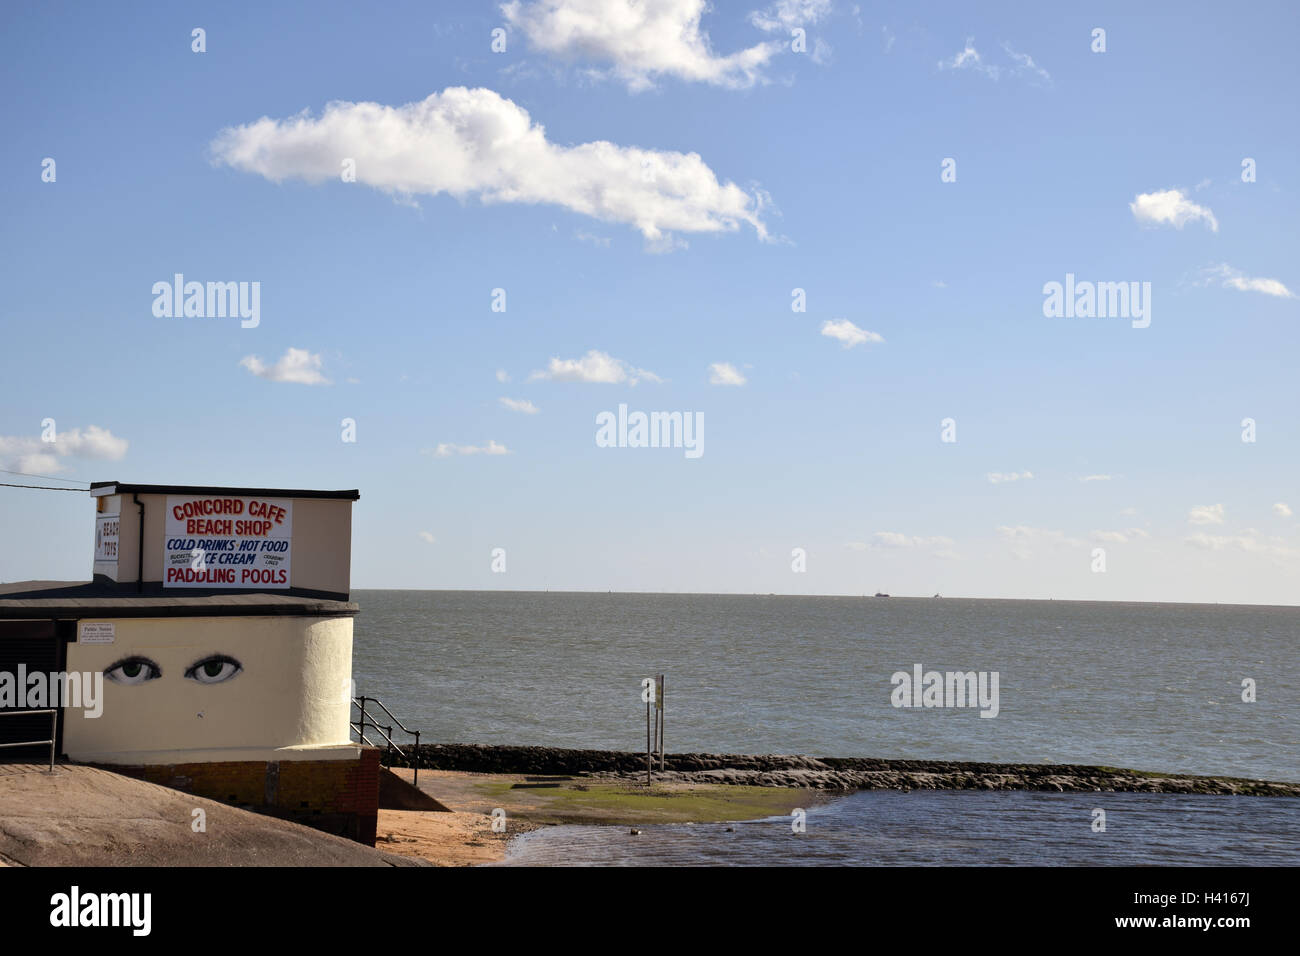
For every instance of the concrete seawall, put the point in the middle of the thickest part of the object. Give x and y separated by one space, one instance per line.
824 773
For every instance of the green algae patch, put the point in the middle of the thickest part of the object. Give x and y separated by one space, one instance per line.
624 803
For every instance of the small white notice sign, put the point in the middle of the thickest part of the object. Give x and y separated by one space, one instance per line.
98 632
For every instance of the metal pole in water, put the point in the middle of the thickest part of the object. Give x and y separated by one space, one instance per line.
649 759
661 722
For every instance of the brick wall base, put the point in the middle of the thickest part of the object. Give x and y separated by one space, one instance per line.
337 796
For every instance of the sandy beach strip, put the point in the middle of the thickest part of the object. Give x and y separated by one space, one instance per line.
525 802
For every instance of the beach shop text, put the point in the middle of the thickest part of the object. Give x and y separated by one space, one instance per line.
227 541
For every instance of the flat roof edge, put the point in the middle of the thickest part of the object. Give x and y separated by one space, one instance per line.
54 610
101 488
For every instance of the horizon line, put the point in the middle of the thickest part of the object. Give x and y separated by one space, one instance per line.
904 597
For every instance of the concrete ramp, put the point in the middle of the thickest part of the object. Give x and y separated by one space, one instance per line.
88 816
396 794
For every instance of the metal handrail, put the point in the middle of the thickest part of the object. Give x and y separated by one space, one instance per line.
54 730
386 730
376 700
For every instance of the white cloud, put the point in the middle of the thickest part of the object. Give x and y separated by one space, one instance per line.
1025 65
641 40
893 539
1249 541
297 366
784 15
503 376
426 536
31 463
970 59
595 367
1231 278
475 142
32 455
446 450
1022 537
998 477
1170 207
1282 510
724 373
1095 478
601 241
519 405
94 442
848 333
1206 514
1120 537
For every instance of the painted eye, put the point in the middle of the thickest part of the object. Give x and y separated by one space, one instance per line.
214 669
133 670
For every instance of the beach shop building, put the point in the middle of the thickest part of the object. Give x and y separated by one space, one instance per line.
217 627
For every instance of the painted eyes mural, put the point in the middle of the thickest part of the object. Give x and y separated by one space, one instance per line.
214 669
137 669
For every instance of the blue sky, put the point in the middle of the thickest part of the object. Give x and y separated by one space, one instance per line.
768 170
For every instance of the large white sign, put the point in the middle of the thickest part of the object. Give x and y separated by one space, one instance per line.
220 541
106 532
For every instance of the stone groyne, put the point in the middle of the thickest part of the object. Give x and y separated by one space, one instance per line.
823 773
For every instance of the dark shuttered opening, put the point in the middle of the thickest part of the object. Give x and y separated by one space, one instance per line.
27 647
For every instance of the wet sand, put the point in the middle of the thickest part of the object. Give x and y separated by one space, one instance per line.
526 802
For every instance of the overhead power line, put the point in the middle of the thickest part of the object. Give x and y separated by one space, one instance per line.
25 474
5 484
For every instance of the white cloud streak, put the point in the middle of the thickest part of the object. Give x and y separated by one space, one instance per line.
1230 278
1206 514
784 15
894 539
296 366
1001 477
1025 65
32 455
845 331
1170 207
1249 541
596 367
1120 537
724 373
448 450
519 405
476 143
1022 64
638 41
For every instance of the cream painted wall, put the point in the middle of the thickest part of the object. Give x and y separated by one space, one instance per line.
293 691
322 542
